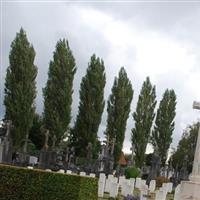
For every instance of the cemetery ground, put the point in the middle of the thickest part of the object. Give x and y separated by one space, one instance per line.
136 191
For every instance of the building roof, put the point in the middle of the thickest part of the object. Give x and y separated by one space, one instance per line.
122 160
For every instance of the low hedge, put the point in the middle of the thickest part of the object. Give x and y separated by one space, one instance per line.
27 184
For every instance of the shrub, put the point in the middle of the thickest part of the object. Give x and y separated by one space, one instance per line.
25 184
160 180
132 172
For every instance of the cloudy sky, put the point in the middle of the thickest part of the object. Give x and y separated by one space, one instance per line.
159 39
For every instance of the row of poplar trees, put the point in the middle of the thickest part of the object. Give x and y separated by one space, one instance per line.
20 94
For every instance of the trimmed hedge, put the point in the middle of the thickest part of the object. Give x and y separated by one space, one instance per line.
25 184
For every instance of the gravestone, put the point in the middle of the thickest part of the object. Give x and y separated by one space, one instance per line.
68 171
114 189
177 192
101 184
152 186
33 160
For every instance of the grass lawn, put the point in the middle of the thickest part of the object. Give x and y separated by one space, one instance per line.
120 197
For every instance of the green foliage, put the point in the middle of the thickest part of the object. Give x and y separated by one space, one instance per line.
58 91
186 148
164 124
91 107
143 116
21 183
32 149
132 172
20 88
160 180
35 135
118 112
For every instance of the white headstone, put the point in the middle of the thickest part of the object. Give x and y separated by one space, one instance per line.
82 174
101 185
30 167
143 192
92 175
61 171
177 192
170 187
114 189
33 160
121 179
68 171
132 183
152 186
48 170
138 183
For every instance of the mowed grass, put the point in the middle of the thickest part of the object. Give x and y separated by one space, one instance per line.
120 197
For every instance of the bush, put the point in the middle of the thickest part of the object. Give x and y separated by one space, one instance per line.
160 180
132 172
25 184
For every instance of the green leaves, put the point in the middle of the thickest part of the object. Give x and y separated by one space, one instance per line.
58 91
91 107
118 112
20 87
164 124
143 116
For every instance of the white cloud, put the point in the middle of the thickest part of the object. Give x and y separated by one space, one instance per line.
142 49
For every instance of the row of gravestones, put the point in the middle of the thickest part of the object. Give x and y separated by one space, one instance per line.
92 175
112 184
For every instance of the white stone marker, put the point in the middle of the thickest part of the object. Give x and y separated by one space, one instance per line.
92 175
33 160
132 183
62 171
101 184
121 179
114 189
68 171
170 187
152 185
82 174
177 192
48 170
138 183
143 192
159 195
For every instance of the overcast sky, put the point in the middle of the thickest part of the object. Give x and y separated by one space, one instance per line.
156 39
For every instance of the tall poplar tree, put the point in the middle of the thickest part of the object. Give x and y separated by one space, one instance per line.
143 116
91 107
118 112
20 88
58 91
164 124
